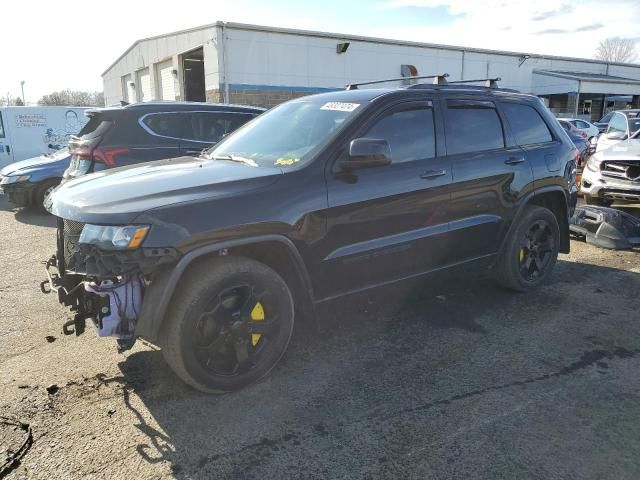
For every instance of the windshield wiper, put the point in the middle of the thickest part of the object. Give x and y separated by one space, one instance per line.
236 158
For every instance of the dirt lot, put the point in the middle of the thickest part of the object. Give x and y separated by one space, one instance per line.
450 378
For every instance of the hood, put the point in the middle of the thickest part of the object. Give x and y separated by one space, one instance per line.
117 196
623 150
33 164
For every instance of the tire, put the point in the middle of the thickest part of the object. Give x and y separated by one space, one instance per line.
523 264
212 321
42 191
597 201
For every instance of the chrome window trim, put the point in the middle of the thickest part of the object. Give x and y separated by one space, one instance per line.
148 129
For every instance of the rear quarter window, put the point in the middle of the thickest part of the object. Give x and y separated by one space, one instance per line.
1 127
527 125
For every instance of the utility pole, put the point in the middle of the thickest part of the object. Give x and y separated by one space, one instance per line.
24 101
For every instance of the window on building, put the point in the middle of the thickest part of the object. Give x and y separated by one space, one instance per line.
618 124
473 126
210 127
410 134
527 125
165 124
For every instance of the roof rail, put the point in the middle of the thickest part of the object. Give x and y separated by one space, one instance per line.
437 80
488 82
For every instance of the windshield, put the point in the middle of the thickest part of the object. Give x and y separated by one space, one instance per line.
286 135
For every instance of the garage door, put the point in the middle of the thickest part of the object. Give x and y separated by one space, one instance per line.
128 89
165 80
144 84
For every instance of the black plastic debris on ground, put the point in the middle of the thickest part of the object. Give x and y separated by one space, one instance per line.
12 457
605 227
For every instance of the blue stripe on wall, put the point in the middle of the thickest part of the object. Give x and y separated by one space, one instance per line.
245 86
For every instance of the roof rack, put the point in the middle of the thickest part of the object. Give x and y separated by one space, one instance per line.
437 80
488 82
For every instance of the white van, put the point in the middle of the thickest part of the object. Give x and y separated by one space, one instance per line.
27 132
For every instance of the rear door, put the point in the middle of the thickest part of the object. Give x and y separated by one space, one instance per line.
490 175
204 129
388 222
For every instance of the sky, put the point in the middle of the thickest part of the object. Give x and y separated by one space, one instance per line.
69 43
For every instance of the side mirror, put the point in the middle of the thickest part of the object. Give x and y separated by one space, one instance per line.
367 153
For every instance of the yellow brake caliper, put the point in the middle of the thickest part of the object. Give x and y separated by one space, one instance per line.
257 315
522 255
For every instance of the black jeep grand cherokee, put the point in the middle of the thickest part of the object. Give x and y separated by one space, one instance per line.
209 257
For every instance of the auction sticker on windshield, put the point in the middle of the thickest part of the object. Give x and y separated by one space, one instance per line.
340 106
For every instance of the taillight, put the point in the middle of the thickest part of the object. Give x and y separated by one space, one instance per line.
107 155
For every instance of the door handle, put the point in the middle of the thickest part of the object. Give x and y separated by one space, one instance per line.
431 174
514 160
8 148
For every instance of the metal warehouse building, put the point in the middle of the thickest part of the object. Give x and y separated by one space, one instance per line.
250 64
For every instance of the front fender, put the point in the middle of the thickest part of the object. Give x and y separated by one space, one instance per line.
159 293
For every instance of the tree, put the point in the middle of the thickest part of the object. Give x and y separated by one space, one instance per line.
76 98
617 49
18 102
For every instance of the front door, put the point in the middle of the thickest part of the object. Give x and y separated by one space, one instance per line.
489 177
389 222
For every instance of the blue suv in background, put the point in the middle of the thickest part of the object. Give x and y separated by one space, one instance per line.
28 182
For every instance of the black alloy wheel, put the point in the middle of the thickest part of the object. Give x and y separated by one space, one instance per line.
234 332
536 250
530 251
229 323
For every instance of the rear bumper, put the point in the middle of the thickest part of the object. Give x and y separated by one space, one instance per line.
19 194
597 185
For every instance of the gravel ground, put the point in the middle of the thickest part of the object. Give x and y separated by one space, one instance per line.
448 378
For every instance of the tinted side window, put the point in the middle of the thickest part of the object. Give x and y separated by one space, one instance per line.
410 134
472 126
581 124
618 124
165 124
527 125
210 127
1 127
634 124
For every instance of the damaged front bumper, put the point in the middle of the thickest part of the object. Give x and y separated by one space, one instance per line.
105 288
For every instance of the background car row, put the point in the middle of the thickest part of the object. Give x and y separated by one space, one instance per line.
119 136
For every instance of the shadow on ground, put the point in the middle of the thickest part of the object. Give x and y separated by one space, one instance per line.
367 361
28 215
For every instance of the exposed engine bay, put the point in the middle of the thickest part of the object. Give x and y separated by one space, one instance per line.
106 288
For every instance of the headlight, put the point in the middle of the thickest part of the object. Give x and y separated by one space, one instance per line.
14 179
593 164
114 238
